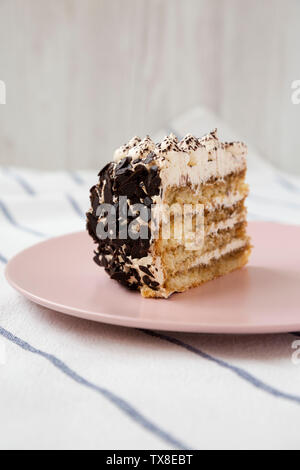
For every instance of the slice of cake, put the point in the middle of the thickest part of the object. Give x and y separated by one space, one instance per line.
170 216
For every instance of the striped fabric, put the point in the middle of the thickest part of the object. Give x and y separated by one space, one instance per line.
70 383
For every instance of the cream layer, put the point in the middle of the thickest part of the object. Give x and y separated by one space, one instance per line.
206 258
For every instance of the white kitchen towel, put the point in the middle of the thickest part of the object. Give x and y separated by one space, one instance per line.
67 383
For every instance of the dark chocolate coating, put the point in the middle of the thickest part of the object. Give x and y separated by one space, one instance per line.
139 181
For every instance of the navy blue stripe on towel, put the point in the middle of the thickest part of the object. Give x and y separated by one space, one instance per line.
243 374
121 404
13 222
3 259
75 206
287 185
76 178
21 181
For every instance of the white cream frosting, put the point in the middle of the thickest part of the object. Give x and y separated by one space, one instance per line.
226 201
206 258
192 160
226 224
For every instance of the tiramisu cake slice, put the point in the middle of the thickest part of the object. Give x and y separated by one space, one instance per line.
180 213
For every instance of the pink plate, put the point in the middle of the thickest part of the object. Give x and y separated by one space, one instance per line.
262 298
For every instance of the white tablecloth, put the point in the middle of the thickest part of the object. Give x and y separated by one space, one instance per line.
68 383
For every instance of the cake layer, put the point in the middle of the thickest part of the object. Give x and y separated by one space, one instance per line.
215 246
224 213
193 171
213 223
198 275
221 222
221 192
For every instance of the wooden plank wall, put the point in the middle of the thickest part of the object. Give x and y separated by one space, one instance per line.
83 76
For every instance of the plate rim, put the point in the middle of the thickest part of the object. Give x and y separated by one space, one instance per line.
130 322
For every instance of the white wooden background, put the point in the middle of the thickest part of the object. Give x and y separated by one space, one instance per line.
83 76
